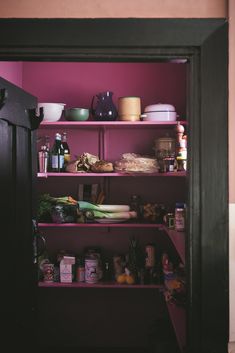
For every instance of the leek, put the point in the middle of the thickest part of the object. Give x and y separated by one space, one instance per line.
87 206
92 214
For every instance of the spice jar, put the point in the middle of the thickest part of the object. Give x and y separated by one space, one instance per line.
180 217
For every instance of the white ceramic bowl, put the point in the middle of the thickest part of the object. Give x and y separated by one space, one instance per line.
52 111
159 112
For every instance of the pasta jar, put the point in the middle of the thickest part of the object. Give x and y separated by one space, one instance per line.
180 217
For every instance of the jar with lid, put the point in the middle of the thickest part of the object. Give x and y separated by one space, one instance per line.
180 217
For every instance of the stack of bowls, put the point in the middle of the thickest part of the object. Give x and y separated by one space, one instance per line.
129 108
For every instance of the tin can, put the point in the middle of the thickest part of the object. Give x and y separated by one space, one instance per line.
91 270
169 219
48 272
150 256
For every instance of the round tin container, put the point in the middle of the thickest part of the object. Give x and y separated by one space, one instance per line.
91 270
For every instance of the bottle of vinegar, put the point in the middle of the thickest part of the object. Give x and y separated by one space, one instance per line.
57 155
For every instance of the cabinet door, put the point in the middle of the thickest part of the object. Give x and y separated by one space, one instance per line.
17 172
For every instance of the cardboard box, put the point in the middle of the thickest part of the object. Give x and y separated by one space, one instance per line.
66 274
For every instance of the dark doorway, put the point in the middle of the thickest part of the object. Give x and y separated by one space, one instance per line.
203 43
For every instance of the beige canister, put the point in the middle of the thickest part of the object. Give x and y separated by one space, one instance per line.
129 108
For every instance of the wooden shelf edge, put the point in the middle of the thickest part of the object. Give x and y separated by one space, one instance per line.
117 123
178 240
99 285
178 319
99 225
114 174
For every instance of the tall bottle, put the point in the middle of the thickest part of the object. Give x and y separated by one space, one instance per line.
57 155
48 149
66 148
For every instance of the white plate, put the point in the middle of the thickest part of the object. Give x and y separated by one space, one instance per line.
110 220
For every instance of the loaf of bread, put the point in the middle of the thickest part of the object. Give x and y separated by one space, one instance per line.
102 167
132 162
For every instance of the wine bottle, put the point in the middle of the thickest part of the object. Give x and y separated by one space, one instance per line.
57 155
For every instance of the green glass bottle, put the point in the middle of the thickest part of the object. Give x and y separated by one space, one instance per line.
57 155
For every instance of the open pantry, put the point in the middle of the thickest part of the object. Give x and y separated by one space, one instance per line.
117 227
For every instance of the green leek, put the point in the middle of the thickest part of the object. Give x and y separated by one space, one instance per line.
87 206
92 214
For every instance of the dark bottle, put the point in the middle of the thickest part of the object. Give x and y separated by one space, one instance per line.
66 148
57 155
48 149
107 272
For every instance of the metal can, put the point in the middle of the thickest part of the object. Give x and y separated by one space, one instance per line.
91 270
150 256
169 219
48 272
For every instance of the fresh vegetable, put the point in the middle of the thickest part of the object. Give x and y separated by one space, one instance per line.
84 205
46 202
92 214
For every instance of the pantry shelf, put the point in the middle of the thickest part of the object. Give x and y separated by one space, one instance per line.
99 285
169 174
178 319
129 124
99 225
178 239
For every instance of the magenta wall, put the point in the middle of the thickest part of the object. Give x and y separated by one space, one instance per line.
76 83
12 71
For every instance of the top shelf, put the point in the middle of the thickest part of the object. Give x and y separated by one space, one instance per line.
116 124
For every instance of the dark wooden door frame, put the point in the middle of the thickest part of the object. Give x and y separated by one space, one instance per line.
203 42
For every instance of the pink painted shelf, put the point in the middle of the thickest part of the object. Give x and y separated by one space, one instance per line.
178 239
98 225
78 124
170 174
178 319
99 285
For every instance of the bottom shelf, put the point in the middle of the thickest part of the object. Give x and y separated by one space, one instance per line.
99 285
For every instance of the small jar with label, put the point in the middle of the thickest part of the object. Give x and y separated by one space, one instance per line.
180 217
80 270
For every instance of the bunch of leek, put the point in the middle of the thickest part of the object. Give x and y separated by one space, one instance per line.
93 211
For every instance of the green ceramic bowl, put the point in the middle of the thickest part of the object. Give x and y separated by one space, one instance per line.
76 114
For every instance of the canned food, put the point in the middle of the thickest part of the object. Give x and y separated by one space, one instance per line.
91 270
169 219
48 272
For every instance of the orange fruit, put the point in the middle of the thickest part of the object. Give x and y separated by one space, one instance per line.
121 278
